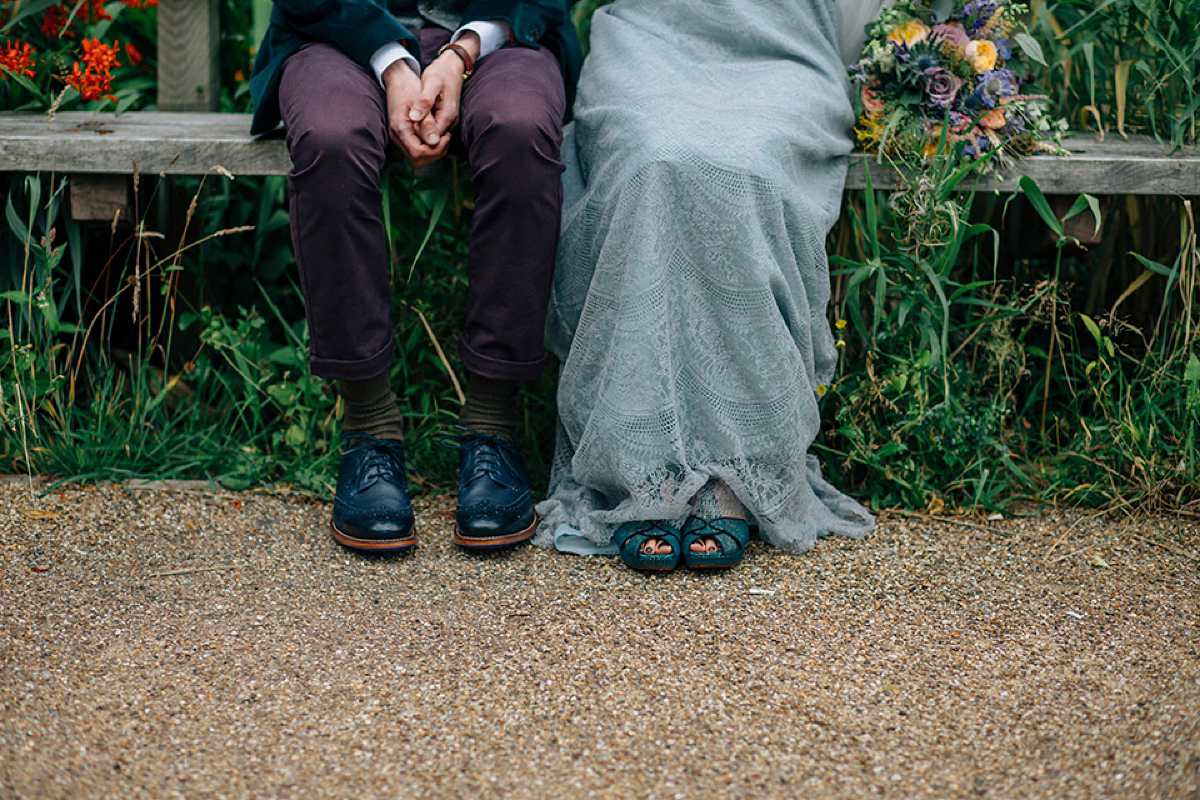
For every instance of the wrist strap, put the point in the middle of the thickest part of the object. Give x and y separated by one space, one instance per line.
461 52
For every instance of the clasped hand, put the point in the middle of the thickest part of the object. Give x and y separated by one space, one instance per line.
423 109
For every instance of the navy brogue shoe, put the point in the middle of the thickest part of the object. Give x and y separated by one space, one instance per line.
371 507
495 507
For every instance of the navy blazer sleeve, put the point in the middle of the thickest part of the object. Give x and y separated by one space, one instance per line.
530 20
356 27
360 27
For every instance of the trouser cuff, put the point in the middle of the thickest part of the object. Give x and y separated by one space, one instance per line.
497 368
358 370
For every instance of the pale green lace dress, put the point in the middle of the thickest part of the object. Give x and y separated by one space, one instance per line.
704 169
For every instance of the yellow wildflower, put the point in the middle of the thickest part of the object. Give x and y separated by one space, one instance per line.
869 131
931 144
910 33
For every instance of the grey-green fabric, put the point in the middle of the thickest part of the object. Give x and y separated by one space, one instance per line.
704 169
413 13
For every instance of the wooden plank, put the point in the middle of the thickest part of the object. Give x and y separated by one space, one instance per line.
1114 166
175 143
181 143
188 57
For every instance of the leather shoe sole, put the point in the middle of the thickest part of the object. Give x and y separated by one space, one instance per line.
463 539
374 545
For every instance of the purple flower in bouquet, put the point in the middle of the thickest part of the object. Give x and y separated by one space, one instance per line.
1016 125
995 85
951 33
942 86
976 145
1004 49
979 13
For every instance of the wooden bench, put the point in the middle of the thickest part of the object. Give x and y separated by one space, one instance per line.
193 143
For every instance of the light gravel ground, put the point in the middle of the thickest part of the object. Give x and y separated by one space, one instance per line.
197 643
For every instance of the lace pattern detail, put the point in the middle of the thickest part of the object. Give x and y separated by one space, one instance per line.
704 170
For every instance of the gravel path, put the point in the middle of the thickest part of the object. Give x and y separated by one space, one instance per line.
198 643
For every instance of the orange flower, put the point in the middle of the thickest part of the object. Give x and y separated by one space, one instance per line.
96 11
58 19
142 3
99 56
18 59
871 102
55 22
993 120
135 58
94 79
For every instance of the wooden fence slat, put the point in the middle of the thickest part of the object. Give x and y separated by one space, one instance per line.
188 60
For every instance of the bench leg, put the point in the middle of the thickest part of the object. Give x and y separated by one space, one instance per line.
99 198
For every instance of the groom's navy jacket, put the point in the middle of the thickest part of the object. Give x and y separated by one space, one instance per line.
360 27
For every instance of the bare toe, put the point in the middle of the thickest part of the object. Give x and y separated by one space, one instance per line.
656 547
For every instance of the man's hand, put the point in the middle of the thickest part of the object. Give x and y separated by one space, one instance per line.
435 111
403 90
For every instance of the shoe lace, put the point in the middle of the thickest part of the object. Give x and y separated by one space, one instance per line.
385 460
482 448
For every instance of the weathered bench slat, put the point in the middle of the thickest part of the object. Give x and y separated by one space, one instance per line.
1138 165
192 143
183 143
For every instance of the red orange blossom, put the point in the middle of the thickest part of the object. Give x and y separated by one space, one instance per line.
95 79
18 59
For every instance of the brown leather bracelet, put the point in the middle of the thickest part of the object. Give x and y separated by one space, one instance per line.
468 62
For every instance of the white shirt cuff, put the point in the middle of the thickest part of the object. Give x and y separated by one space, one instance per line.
493 34
389 54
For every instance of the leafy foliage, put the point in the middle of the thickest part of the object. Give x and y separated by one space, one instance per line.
78 53
1128 65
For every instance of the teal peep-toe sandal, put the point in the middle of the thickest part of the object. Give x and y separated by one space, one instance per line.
632 535
731 534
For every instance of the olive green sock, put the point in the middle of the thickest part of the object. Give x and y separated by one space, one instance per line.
491 407
371 408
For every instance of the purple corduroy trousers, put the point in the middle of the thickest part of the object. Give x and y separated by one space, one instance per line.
510 130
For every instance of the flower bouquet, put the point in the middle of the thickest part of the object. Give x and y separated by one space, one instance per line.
949 79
